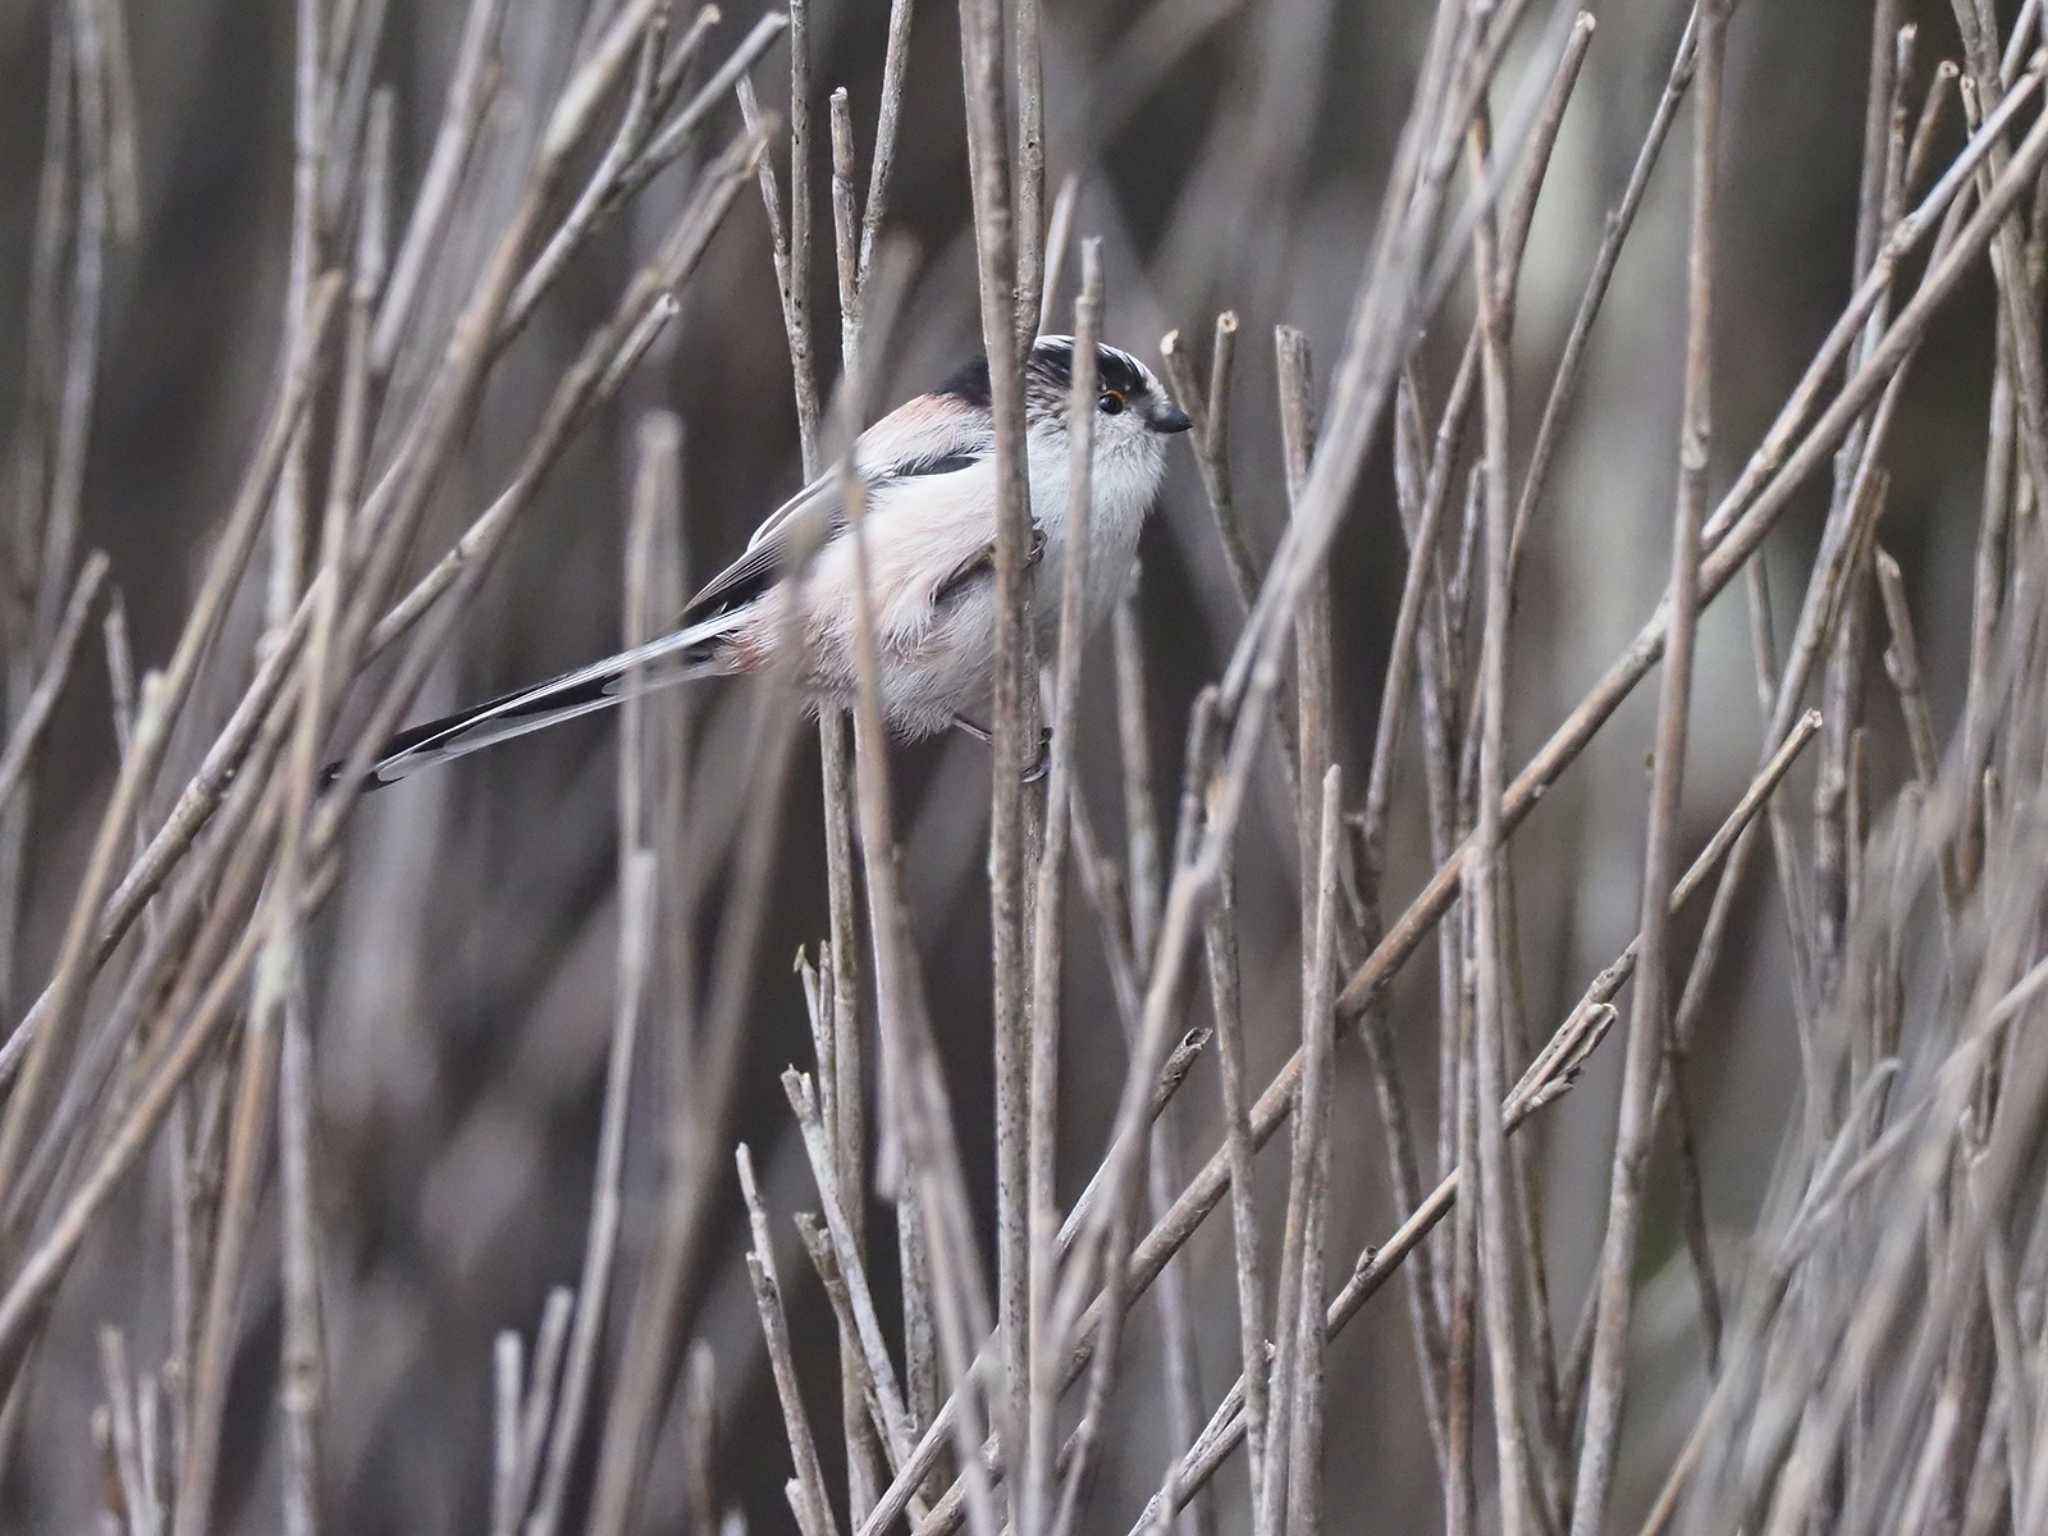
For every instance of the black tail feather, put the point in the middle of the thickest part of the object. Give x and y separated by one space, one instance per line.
686 654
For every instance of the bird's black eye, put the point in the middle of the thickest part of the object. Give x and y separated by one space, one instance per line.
1112 402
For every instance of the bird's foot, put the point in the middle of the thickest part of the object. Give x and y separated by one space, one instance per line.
1043 766
1039 768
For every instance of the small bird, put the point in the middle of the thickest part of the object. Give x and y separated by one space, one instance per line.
929 473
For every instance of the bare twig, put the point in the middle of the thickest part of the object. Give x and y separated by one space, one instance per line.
79 377
461 120
669 142
1028 47
1302 1233
1647 1021
814 1509
1048 956
1486 895
791 246
1902 665
291 516
914 1087
1134 756
248 1150
1744 519
1312 1133
1013 701
871 1367
844 1080
636 942
1210 411
35 713
1220 943
304 1369
232 553
1921 149
700 1106
551 1343
505 1442
583 388
888 113
144 1518
1554 1069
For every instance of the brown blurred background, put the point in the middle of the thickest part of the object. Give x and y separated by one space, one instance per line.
1232 156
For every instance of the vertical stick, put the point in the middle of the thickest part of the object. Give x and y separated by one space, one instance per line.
814 1508
290 515
1031 232
1015 701
910 1067
1048 958
651 1343
636 939
845 1094
1319 1023
1312 669
1486 877
1219 937
1134 756
1164 1170
1647 1022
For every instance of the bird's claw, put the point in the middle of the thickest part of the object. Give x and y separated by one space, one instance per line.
1043 766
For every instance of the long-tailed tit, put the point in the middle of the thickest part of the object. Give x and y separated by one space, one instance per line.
928 469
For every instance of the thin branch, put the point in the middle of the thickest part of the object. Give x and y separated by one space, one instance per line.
1902 665
237 541
42 700
1648 1023
1302 1231
814 1508
462 119
1048 953
1210 411
1028 47
144 1518
1312 1129
1134 756
845 1089
870 1365
1059 230
1620 220
586 386
913 1083
1220 944
888 113
248 1151
505 1442
1013 830
304 1370
636 940
550 1346
792 277
1487 896
1554 1069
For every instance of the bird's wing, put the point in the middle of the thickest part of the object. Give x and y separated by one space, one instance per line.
792 533
904 445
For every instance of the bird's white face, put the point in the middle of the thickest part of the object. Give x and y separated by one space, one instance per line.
1129 460
1134 416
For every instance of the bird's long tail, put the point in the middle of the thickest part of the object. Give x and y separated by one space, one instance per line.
673 658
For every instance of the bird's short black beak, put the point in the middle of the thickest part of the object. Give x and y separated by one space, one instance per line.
1172 419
